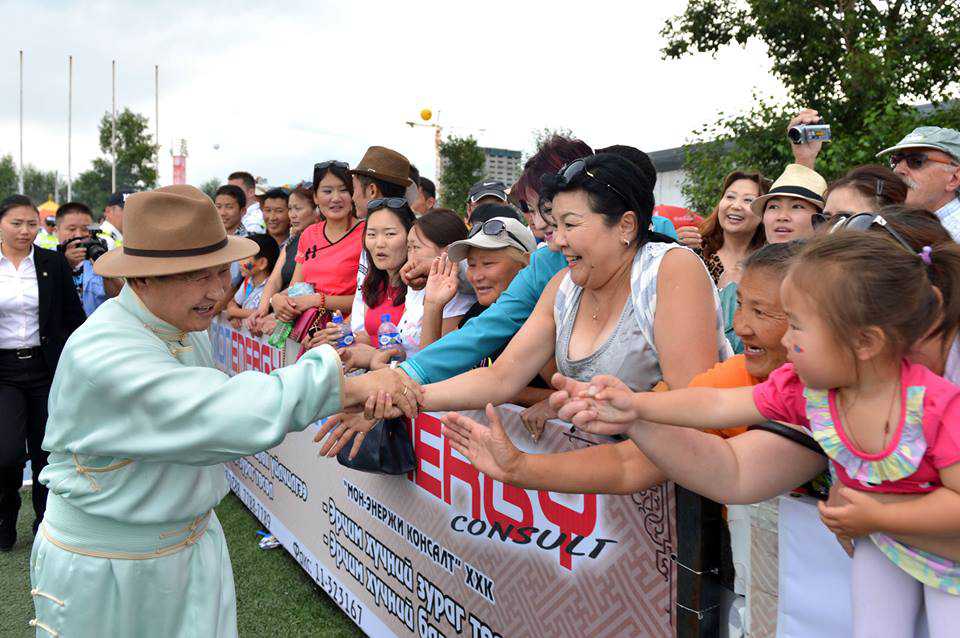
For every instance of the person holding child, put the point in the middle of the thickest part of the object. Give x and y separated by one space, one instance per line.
856 303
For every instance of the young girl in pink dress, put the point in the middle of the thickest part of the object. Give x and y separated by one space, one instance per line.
856 302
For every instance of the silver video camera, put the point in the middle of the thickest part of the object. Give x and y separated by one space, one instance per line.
803 133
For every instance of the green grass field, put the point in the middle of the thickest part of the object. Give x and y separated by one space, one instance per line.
274 596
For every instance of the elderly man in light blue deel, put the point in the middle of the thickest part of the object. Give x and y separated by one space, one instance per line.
140 423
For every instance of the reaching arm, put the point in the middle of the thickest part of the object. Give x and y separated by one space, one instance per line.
234 311
480 337
609 407
685 323
603 469
141 387
748 468
614 468
525 355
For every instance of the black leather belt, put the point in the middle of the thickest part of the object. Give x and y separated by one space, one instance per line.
22 353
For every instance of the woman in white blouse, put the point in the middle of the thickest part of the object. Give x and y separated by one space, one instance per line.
39 309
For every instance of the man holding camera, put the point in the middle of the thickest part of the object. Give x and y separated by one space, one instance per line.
81 248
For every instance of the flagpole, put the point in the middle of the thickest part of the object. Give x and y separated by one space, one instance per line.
20 177
156 117
113 134
70 130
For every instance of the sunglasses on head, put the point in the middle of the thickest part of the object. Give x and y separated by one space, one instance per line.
915 161
386 202
570 172
319 167
494 228
865 221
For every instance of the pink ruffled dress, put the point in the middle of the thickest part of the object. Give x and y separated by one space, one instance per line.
926 440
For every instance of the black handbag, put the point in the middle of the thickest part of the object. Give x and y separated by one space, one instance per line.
386 449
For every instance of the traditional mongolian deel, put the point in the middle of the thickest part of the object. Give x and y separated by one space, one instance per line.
140 424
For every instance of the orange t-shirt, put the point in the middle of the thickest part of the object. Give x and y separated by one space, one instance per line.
732 373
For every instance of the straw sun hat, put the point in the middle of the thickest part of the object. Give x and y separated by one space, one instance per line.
796 181
174 229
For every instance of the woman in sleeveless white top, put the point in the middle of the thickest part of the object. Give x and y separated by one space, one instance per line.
628 306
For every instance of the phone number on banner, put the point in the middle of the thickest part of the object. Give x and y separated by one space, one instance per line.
340 594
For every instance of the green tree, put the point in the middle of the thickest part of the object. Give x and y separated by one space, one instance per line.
38 184
8 176
462 162
860 63
542 135
210 187
136 168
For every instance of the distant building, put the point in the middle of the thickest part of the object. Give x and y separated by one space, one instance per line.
669 165
501 164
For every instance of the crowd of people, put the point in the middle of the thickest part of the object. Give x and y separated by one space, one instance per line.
810 328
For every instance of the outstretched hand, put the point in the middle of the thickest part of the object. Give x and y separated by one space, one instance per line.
603 406
536 416
340 429
488 448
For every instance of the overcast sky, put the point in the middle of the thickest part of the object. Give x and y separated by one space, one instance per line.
281 85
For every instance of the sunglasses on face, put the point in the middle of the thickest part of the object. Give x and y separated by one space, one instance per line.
494 228
915 161
865 221
569 172
393 203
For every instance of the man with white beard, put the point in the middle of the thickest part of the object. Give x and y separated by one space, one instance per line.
928 160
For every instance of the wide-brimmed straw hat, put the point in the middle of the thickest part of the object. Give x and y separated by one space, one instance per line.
384 163
171 230
796 181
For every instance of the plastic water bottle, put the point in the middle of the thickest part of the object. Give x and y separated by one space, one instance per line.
388 336
346 335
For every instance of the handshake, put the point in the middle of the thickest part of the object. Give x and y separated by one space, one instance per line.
380 394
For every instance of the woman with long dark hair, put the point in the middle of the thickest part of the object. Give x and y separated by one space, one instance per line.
732 231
